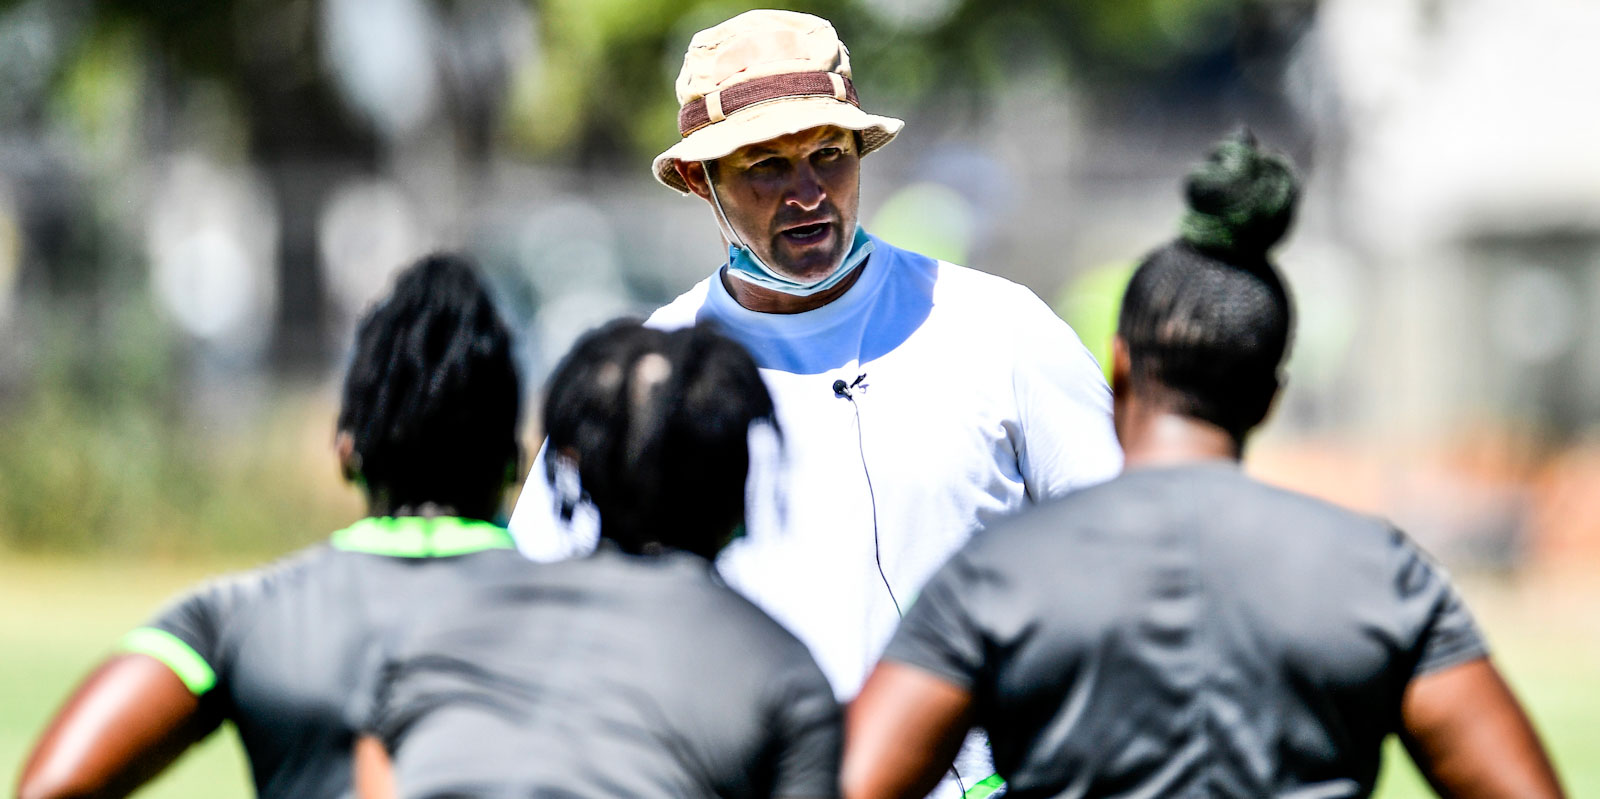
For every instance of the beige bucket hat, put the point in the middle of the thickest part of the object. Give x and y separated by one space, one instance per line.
761 75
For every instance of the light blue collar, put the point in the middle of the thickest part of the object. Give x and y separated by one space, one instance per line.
743 264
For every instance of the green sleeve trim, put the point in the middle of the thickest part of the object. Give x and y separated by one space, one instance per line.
195 672
986 788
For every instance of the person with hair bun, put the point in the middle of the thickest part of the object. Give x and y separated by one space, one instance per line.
427 428
1185 630
633 670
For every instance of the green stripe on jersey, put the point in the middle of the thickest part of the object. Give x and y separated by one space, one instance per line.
195 672
986 788
421 536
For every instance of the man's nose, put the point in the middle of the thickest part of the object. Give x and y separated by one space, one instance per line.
806 192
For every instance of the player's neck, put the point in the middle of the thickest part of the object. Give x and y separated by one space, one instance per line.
427 510
1156 436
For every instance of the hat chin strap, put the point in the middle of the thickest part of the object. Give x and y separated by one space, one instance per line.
740 256
722 216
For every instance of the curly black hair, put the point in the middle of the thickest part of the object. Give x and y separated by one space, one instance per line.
657 424
431 399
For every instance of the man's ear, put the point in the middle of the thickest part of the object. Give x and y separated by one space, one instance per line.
694 176
344 445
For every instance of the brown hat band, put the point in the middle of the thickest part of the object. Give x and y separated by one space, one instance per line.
717 105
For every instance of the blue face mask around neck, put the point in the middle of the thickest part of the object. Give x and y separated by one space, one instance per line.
743 264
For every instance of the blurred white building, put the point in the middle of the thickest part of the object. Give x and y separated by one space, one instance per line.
1470 179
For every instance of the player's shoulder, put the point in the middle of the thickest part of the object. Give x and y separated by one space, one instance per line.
283 573
1126 521
438 593
682 594
236 594
1107 509
1236 510
767 647
1164 497
1226 482
1340 524
747 626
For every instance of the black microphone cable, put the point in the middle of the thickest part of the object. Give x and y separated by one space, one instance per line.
846 391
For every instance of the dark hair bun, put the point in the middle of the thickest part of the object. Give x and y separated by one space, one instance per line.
1241 200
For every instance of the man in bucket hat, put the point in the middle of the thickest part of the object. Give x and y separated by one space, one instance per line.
919 400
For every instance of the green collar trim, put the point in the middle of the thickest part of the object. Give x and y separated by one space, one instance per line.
421 537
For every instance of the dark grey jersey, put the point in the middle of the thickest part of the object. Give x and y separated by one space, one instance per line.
1188 631
610 675
289 652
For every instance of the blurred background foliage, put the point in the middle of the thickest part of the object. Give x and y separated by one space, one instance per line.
589 80
151 380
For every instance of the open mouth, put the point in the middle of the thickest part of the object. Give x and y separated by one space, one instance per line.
807 234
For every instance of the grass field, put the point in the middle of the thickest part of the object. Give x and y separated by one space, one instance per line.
57 617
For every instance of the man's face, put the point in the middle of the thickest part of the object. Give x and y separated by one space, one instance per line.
793 199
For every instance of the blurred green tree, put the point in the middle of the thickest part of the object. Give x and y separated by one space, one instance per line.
594 88
604 87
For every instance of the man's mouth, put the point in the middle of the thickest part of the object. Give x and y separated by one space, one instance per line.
807 234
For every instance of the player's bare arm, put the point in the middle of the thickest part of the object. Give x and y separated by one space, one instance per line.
902 732
128 720
1470 738
373 770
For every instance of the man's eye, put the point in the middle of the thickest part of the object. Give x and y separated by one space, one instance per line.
767 164
830 152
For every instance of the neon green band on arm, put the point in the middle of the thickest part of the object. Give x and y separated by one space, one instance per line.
985 788
195 672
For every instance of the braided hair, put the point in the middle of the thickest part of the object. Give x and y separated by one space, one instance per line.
1206 318
432 397
657 425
